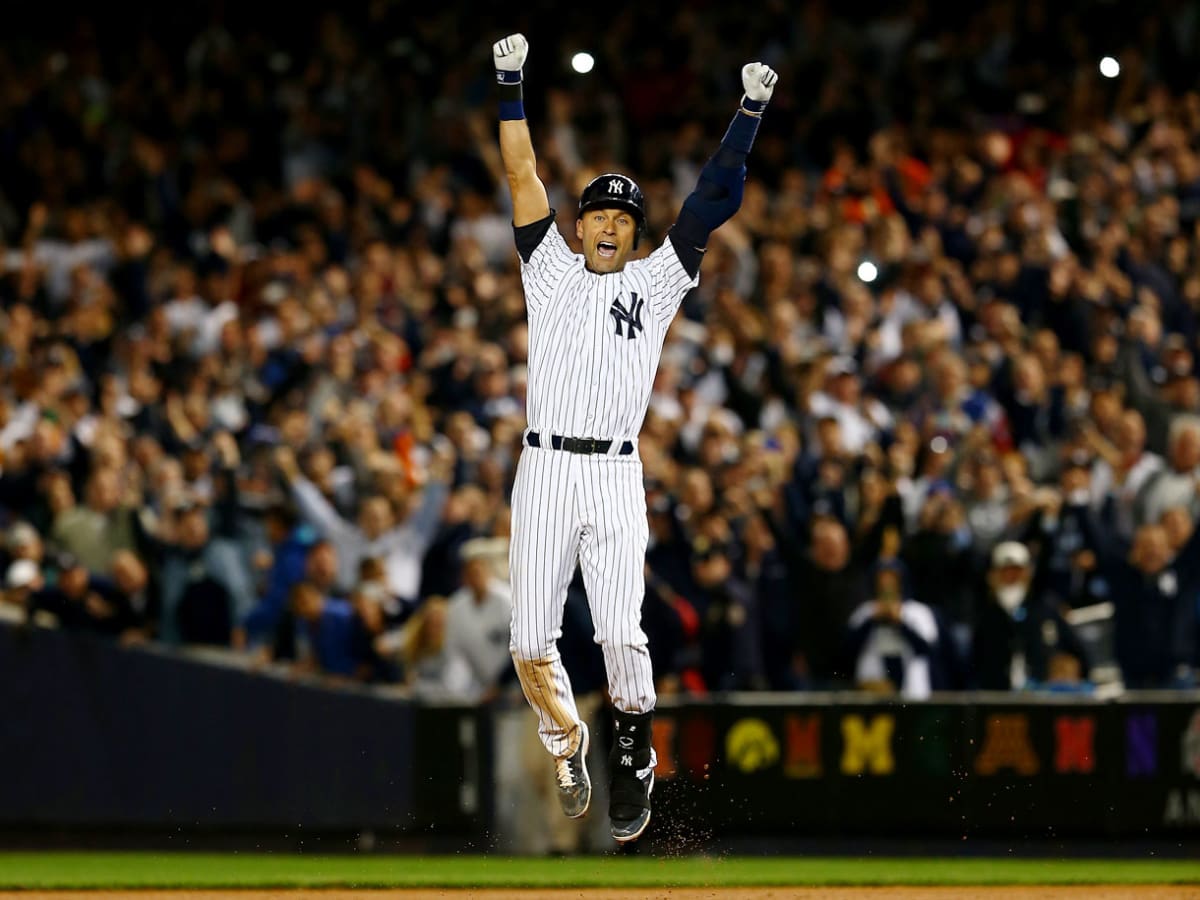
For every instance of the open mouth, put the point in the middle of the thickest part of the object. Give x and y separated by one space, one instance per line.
606 250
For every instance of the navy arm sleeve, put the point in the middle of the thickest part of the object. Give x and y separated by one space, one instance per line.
717 195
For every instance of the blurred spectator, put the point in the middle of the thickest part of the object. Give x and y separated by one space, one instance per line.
955 406
1173 393
1018 635
376 534
330 626
835 574
987 501
197 604
22 541
894 640
1180 526
479 614
467 515
433 668
1035 409
730 621
1175 483
269 623
370 623
820 475
1154 587
860 419
80 602
672 630
941 560
1065 569
765 571
22 579
94 532
373 588
133 598
1123 470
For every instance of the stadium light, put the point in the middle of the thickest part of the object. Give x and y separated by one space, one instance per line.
1109 67
582 62
867 271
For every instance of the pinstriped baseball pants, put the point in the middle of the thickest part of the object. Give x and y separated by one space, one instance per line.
568 508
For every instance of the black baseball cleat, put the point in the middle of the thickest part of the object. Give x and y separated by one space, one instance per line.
574 784
631 765
630 807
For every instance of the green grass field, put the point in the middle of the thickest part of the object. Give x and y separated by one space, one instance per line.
246 870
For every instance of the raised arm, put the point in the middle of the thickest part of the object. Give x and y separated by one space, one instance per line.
718 193
529 199
314 508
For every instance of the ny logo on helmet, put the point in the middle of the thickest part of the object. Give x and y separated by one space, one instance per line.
631 316
616 186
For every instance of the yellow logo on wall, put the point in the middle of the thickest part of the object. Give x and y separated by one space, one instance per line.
750 745
868 746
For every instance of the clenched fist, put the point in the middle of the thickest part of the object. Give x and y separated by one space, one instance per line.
758 80
509 56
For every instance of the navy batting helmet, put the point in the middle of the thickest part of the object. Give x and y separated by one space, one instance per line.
613 191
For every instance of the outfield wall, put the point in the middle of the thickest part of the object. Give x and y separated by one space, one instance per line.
96 736
1050 765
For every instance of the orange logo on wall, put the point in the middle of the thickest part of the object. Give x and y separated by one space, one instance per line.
663 738
1006 746
1075 744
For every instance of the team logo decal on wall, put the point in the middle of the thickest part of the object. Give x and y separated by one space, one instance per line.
1190 751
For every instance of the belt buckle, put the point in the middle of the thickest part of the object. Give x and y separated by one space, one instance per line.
585 445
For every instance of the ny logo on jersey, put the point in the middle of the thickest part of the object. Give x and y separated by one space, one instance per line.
631 316
616 186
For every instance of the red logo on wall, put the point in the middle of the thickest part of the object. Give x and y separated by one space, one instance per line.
802 750
697 744
1075 744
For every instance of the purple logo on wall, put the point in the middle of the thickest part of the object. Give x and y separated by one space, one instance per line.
1141 745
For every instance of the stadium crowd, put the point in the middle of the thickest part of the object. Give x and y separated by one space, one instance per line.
933 405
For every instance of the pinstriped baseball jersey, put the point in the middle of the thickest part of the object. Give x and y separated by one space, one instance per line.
595 339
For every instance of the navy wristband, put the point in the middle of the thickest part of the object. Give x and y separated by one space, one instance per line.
753 106
512 105
507 76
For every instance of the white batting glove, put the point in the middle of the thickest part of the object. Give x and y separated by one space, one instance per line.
509 56
758 80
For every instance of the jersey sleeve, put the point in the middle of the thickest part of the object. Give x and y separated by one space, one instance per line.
545 258
669 281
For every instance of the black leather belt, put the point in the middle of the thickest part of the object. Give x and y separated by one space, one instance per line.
578 445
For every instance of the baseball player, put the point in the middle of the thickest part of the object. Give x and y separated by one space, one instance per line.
597 323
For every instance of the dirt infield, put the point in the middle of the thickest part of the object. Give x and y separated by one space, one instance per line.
1024 892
